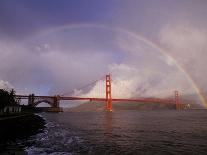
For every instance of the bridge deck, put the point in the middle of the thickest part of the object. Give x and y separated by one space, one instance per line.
145 100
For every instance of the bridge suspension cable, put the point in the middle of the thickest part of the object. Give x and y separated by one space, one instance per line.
84 86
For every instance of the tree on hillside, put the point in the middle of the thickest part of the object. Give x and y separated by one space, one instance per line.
7 97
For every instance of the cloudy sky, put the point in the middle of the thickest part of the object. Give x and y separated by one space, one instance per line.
151 47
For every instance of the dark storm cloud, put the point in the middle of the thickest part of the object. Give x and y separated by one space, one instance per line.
25 17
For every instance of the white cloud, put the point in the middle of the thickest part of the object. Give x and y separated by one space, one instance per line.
5 85
129 82
187 44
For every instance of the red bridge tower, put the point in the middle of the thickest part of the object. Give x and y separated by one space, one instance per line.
108 93
177 101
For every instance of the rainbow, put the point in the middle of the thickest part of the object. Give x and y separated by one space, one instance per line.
133 35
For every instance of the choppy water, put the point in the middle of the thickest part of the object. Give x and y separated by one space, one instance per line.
124 132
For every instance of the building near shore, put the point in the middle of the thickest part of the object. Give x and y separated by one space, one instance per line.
10 109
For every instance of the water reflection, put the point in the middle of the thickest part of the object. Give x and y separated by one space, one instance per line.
108 126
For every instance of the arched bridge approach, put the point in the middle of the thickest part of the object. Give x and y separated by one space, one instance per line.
53 101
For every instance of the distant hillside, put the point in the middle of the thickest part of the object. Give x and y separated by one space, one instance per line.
193 100
100 106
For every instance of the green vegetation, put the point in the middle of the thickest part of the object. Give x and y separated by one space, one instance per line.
7 98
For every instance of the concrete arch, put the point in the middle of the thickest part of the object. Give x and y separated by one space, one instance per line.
43 101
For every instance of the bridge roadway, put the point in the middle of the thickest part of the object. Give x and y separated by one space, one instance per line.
145 100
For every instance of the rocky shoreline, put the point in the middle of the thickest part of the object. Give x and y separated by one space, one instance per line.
18 128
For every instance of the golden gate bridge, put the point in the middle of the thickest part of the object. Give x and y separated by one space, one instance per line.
54 101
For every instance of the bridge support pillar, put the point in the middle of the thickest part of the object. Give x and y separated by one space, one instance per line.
56 102
31 99
108 93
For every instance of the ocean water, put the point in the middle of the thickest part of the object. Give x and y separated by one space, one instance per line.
122 132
